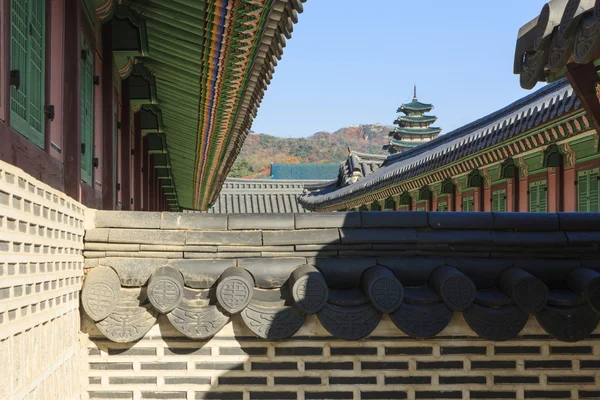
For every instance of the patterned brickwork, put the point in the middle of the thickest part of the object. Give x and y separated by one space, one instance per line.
41 271
313 365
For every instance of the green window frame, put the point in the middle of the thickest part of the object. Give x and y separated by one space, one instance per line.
538 196
499 200
588 188
28 57
376 206
87 112
468 204
443 206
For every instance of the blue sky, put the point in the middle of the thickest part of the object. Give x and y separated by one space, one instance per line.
354 62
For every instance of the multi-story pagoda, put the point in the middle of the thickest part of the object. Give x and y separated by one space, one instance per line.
414 127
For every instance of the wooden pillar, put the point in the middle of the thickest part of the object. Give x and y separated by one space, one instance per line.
108 115
137 164
457 200
434 202
487 199
510 195
568 188
71 109
523 200
554 192
126 190
145 175
477 199
151 184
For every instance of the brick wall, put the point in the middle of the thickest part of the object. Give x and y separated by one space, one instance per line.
313 363
41 271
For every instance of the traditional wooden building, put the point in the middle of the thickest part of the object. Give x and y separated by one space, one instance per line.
538 154
135 105
414 127
541 153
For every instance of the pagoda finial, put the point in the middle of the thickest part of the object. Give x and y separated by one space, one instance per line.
415 96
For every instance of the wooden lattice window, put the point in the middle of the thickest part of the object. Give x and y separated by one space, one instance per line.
443 206
27 62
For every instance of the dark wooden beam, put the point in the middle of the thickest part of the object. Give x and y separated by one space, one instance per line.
137 164
125 180
584 78
72 100
145 175
108 121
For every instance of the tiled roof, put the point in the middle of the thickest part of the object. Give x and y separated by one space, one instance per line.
417 131
304 171
416 105
563 32
358 166
415 118
257 196
548 103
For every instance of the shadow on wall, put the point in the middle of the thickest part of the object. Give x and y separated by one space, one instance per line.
394 276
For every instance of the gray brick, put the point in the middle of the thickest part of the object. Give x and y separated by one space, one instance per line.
187 380
144 236
530 238
261 221
332 247
224 237
270 273
132 351
317 236
233 249
384 235
221 366
187 351
163 366
160 247
328 220
132 380
574 221
93 246
97 235
196 255
127 219
526 222
110 395
164 395
454 237
219 395
111 366
193 221
386 219
458 220
145 254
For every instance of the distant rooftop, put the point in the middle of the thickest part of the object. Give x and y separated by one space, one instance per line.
305 171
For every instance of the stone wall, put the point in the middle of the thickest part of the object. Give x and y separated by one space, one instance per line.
41 271
373 305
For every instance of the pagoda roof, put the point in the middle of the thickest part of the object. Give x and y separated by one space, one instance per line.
418 131
550 102
405 143
416 105
415 118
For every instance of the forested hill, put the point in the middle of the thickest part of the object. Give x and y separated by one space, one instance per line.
260 150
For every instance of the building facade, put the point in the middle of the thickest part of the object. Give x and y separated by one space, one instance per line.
539 154
135 105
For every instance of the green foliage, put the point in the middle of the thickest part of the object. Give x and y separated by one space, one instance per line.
260 150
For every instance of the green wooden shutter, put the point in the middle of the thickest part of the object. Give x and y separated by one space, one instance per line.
499 201
593 190
443 206
468 204
87 113
27 51
582 191
538 196
542 196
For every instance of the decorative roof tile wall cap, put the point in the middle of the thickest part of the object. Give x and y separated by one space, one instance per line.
564 30
457 144
420 294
